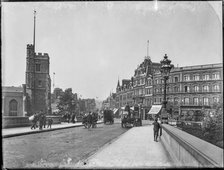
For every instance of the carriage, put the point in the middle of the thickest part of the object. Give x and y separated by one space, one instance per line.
90 120
130 118
108 116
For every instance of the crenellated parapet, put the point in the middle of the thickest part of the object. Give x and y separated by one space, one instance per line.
42 55
30 46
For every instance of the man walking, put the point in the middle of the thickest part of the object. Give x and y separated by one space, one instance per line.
41 119
34 121
49 122
156 129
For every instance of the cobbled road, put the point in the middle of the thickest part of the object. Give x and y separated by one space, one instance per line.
57 148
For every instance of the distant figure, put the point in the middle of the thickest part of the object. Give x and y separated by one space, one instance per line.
89 120
44 120
73 117
49 122
34 121
160 129
68 117
156 129
41 120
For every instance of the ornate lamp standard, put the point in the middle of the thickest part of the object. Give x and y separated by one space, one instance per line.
165 72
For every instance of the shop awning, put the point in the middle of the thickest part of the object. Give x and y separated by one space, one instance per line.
155 109
125 113
123 108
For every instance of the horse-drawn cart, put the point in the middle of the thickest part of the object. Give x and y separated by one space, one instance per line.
130 118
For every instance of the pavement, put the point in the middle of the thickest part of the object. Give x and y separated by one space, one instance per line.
12 132
134 149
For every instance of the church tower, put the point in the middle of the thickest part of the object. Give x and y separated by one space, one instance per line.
38 82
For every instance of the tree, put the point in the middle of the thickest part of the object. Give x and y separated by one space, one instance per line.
67 101
213 125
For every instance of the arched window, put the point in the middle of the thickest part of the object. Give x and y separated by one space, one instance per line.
13 105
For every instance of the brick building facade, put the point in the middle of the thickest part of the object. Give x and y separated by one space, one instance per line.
189 88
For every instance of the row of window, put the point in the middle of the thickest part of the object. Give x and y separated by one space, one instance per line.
195 77
186 100
139 82
13 107
205 88
148 91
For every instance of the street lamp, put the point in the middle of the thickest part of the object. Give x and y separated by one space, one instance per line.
165 72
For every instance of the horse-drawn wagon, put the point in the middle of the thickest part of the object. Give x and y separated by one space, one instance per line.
130 118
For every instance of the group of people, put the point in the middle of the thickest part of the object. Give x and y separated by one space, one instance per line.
90 120
41 120
69 118
157 129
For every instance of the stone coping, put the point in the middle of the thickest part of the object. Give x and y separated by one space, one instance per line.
207 154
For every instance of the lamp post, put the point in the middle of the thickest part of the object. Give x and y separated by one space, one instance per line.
165 72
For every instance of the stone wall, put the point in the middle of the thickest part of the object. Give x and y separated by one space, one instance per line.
14 121
190 151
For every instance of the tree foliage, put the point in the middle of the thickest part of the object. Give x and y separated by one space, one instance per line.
213 125
67 101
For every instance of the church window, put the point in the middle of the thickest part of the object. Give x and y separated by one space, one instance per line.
13 107
37 67
39 83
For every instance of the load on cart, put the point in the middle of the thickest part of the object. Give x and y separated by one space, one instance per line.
130 118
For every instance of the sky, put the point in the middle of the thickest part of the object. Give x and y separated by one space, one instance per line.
93 44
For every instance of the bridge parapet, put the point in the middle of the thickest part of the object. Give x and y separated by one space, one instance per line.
190 151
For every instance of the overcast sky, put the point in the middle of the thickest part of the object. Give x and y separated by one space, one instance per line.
91 44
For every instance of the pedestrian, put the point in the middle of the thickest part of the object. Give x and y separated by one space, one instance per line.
89 120
49 122
156 129
34 121
160 129
44 120
73 117
41 119
68 117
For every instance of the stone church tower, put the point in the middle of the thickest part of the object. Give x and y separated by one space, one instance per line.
38 81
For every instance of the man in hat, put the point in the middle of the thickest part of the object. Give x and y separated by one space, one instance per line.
156 128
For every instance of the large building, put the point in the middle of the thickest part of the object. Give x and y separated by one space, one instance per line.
189 88
137 92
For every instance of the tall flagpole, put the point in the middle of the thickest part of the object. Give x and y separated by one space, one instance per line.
34 30
34 85
147 48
